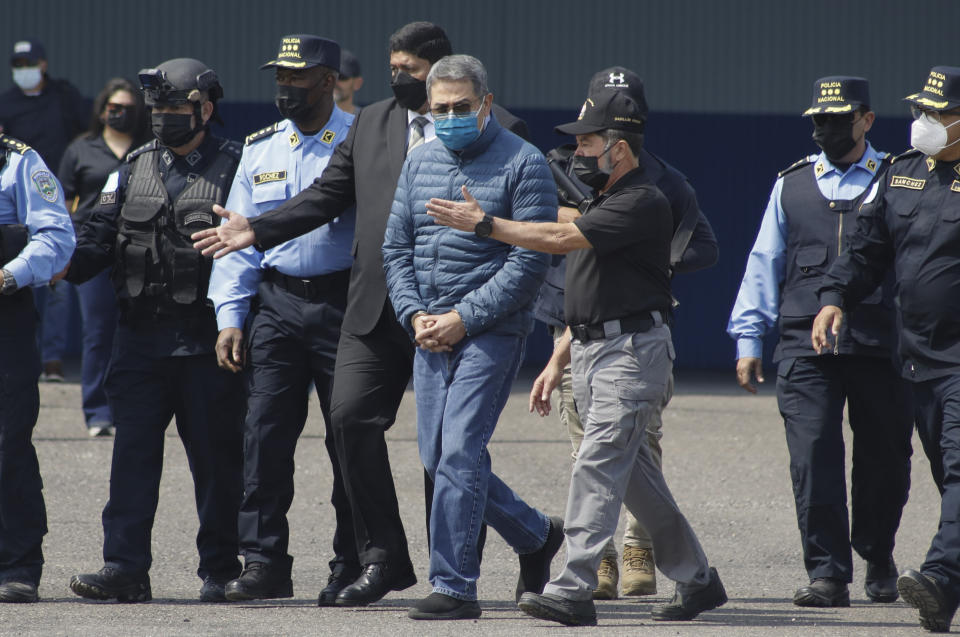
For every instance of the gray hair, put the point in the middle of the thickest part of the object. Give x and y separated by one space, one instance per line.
460 67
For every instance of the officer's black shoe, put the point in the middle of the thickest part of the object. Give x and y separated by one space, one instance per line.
559 609
535 567
440 606
109 583
824 592
880 584
339 579
377 580
18 593
688 605
213 589
927 595
259 581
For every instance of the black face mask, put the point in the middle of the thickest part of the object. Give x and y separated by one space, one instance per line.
173 129
293 102
834 137
122 121
587 170
410 92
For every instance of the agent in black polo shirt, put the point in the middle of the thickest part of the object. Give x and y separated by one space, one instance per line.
621 355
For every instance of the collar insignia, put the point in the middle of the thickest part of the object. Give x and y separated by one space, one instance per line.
294 139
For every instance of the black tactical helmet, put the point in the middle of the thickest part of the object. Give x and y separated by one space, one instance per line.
179 81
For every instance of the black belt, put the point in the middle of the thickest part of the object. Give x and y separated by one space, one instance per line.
616 327
310 288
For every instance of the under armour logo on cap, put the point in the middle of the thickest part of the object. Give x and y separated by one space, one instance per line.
616 78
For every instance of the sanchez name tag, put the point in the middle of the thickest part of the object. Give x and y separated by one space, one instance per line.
899 181
263 178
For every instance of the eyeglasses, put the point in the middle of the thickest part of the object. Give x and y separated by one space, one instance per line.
933 116
118 108
463 107
822 119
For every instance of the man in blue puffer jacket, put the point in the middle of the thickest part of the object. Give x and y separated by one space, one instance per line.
467 302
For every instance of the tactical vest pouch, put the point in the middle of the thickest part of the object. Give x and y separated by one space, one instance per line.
13 239
185 278
136 259
143 210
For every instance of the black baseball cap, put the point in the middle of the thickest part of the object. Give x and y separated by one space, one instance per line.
302 51
619 78
31 50
349 65
838 94
609 110
942 90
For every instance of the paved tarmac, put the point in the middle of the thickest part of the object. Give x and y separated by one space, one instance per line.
724 457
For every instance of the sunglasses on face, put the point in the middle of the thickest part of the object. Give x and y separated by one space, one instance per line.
118 108
833 118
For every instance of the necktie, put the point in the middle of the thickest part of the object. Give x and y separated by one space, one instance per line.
416 132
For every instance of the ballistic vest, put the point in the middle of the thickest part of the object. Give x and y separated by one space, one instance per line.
818 230
156 259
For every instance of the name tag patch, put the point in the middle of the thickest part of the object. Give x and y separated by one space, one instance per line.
264 178
107 198
198 217
899 181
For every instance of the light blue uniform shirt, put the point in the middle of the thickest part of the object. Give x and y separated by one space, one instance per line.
32 196
758 302
273 169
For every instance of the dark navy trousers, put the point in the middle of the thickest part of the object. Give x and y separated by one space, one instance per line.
292 343
23 517
145 392
938 423
811 393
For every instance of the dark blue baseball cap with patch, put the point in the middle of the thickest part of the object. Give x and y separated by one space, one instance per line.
30 50
302 51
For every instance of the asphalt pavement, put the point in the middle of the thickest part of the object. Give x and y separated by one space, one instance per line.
724 457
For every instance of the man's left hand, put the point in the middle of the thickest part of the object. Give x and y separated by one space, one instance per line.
460 215
444 331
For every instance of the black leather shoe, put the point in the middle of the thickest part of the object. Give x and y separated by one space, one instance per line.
18 593
824 592
377 580
213 589
440 606
535 567
109 583
559 609
259 581
339 579
686 606
927 595
880 584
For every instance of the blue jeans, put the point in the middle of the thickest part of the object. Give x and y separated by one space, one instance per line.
54 304
460 395
98 309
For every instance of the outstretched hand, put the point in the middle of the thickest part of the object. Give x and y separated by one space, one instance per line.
235 234
460 215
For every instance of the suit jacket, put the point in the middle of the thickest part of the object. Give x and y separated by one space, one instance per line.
363 170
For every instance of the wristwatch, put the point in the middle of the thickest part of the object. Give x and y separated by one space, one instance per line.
9 283
484 227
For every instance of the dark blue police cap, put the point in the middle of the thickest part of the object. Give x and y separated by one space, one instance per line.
30 49
942 90
610 109
304 51
349 65
838 94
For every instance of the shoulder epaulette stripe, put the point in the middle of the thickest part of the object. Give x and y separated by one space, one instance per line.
909 153
263 132
809 159
152 144
15 145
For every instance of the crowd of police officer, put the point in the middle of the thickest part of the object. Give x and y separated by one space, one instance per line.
278 314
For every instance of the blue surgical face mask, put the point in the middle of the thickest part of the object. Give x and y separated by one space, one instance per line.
456 132
27 77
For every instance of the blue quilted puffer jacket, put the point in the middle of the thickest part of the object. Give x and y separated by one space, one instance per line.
434 268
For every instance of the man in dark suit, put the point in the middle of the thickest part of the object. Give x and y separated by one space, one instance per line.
375 354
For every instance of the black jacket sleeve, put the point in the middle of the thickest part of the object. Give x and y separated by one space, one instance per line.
97 237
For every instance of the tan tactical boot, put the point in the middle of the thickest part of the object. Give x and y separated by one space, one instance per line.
639 574
607 576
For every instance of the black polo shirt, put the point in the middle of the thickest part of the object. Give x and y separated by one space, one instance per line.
85 166
626 272
48 121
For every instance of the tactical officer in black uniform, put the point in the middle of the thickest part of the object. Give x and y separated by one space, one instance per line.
910 224
163 359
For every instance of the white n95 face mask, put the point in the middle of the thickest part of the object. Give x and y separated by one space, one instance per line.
929 136
27 77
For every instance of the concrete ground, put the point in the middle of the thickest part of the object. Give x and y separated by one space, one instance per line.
724 457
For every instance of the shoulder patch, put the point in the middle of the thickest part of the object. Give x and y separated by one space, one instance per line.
15 145
809 159
232 148
46 185
263 132
151 145
913 152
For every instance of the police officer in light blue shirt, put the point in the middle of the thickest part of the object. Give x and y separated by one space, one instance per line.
36 241
288 304
810 219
